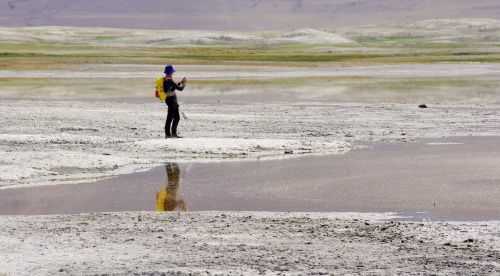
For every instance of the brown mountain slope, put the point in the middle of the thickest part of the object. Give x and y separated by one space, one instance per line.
236 14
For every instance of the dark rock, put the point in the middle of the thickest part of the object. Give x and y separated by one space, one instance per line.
422 106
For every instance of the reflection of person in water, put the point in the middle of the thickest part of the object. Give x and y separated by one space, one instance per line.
166 198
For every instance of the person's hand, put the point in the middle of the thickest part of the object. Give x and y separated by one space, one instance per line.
184 80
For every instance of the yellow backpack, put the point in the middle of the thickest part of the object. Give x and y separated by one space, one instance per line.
159 92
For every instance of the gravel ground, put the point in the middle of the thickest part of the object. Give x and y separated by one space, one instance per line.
244 244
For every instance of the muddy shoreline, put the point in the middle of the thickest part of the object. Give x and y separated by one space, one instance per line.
402 178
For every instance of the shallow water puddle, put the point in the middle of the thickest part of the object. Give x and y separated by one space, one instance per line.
457 179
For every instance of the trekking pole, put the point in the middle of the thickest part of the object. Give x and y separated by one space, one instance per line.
183 82
184 115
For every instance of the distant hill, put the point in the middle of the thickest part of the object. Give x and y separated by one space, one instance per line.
250 15
460 31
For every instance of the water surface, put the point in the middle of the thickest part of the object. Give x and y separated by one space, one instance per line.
454 179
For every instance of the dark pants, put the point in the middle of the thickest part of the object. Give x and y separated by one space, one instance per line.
173 116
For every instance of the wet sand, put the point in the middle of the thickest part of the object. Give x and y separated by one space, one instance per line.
447 179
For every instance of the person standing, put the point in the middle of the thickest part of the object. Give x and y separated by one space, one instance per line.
170 96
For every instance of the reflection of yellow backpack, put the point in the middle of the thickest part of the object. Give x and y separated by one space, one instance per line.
159 92
161 197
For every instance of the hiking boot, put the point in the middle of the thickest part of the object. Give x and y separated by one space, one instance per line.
176 136
168 136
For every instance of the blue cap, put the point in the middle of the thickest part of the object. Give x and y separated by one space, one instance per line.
169 69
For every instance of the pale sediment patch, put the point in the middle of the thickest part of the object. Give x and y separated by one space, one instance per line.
234 147
59 166
56 138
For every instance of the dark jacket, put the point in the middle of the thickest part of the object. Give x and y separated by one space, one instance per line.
169 86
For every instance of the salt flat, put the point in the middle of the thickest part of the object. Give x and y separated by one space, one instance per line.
56 141
72 126
242 243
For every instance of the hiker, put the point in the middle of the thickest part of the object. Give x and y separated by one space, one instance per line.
166 92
